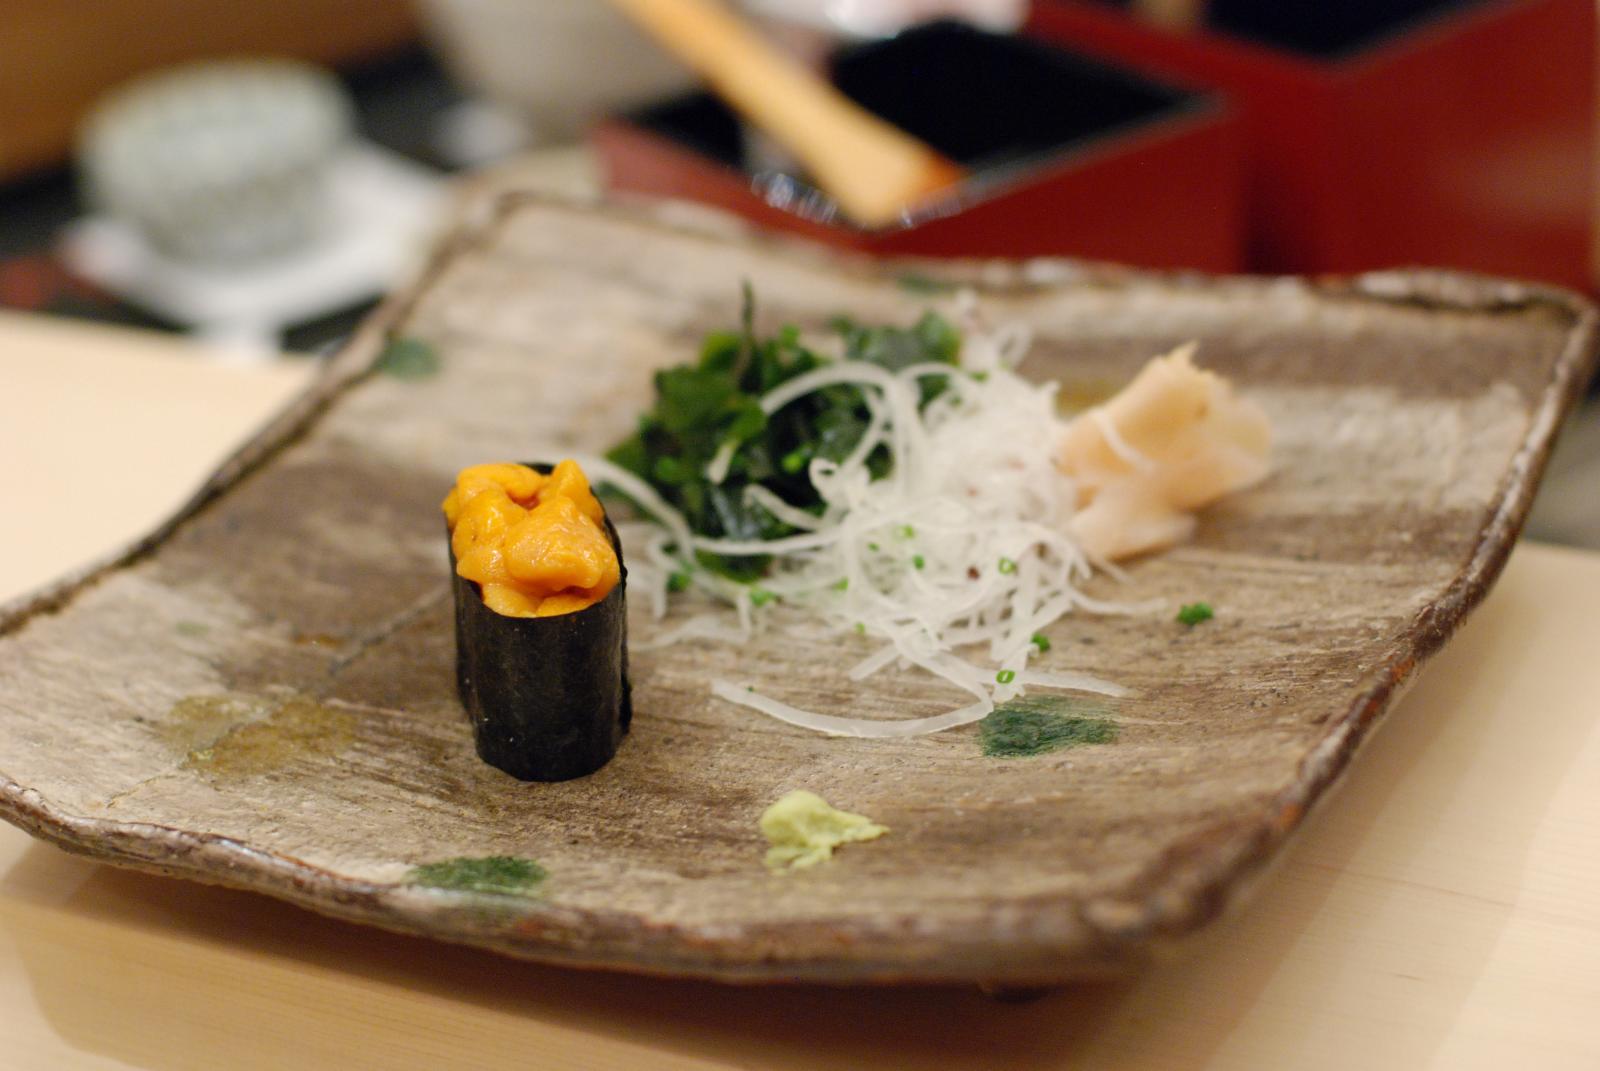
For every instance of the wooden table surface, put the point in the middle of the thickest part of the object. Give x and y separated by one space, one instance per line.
1443 911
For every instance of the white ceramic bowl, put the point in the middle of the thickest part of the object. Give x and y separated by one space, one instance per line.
218 162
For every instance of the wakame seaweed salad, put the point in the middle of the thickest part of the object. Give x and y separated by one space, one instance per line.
703 406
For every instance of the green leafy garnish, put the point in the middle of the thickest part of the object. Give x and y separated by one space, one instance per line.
918 561
1006 676
1193 613
408 358
714 403
678 581
1041 641
1007 566
1030 726
502 875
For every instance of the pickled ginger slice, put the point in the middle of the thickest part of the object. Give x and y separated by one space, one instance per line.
1174 440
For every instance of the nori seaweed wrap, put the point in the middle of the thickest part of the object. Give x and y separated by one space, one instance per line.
549 697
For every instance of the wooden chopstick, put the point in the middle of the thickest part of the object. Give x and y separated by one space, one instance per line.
873 169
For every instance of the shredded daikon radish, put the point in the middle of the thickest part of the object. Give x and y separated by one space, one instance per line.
962 544
717 470
793 516
835 726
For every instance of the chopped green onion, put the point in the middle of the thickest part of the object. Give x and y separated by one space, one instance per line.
842 584
1193 613
861 627
760 596
872 547
918 561
1005 676
1007 566
678 581
1041 641
906 531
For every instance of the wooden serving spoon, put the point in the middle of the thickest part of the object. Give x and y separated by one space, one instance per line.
874 170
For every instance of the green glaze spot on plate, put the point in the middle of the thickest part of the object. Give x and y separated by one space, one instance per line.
409 358
1033 726
913 282
230 736
500 875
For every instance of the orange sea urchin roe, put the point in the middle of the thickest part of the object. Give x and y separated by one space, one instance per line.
534 544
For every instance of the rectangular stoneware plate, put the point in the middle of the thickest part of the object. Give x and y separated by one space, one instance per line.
262 693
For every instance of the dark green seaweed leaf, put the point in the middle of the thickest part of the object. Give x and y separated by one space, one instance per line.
713 404
408 358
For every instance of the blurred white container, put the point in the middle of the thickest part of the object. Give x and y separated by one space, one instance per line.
883 18
222 162
559 63
813 29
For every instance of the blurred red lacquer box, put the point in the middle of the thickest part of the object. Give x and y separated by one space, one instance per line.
1067 156
1463 137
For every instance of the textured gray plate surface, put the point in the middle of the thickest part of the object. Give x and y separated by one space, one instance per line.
262 693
